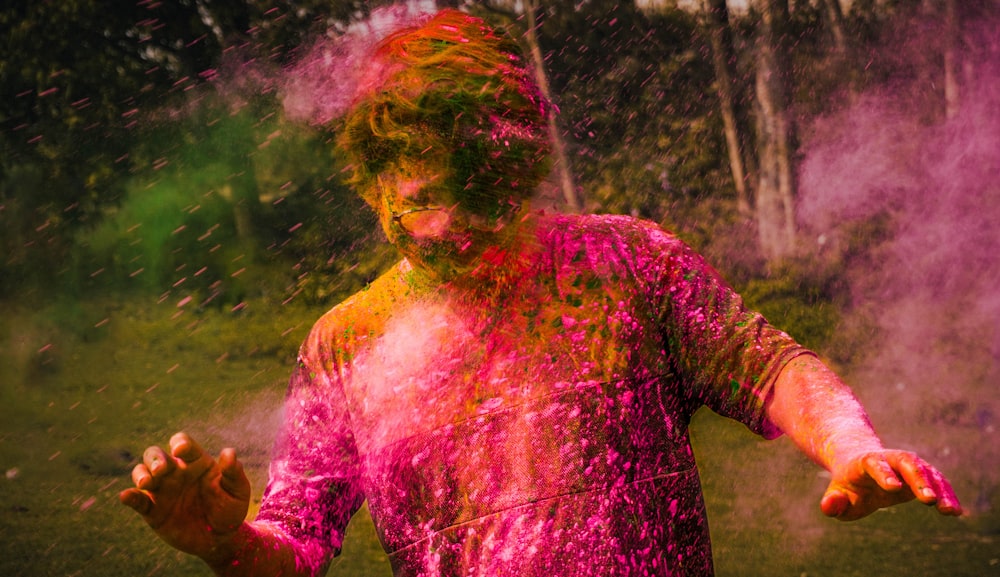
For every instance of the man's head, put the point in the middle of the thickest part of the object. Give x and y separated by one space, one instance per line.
449 118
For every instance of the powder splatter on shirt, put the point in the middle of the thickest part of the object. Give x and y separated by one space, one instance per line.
543 435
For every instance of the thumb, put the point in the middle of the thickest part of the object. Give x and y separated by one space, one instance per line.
834 503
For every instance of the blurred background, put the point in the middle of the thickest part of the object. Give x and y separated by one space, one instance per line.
173 219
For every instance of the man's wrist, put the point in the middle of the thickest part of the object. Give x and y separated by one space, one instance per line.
230 550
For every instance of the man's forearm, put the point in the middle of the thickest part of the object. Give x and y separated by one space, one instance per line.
820 414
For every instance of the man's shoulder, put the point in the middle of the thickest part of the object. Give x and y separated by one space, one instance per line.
364 313
579 224
602 232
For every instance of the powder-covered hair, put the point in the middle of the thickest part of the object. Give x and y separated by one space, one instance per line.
459 86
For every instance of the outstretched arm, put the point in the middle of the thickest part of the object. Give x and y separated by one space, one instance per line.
822 416
197 505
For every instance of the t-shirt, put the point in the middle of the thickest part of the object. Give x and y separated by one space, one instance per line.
546 435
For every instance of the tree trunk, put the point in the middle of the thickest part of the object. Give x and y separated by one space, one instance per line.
952 39
561 165
245 198
834 17
716 23
236 138
776 183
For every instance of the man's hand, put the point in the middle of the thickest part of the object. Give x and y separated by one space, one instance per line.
193 502
884 478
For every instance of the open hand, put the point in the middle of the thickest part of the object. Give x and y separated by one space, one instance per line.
193 502
885 478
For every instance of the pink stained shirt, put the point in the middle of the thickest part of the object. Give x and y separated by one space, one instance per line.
547 436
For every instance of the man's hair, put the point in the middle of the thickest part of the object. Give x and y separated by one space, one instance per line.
461 88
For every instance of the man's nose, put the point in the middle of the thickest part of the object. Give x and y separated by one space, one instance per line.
414 189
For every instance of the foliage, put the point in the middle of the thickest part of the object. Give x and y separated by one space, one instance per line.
116 155
802 299
74 74
804 296
633 92
80 80
238 203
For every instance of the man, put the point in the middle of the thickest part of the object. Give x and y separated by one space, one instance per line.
512 398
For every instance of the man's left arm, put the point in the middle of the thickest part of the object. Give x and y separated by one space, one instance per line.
811 405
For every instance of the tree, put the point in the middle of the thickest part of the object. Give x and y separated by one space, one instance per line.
775 202
963 55
83 81
834 19
741 161
763 172
563 169
75 77
562 166
631 86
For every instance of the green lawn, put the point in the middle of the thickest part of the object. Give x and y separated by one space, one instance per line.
85 387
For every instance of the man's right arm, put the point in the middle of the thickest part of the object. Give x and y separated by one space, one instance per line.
198 505
262 549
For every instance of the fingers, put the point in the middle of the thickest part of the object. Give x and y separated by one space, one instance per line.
142 474
183 447
917 475
147 477
136 500
189 456
882 472
155 465
948 503
900 475
928 484
234 480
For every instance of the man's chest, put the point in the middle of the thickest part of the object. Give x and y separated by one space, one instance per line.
437 365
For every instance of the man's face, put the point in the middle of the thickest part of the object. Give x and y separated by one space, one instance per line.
420 210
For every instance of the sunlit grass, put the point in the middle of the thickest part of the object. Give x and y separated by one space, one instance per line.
763 503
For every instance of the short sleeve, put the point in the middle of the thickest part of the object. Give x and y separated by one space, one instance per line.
314 482
728 356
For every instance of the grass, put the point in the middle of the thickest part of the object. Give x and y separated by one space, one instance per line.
84 387
764 516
